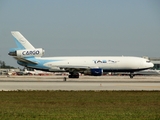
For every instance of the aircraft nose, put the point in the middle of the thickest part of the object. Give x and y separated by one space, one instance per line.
152 64
149 64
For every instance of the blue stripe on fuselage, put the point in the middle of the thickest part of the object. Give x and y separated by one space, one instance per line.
40 62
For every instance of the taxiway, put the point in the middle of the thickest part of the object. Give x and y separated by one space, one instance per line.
13 83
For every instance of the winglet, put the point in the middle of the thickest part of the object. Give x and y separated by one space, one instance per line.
21 41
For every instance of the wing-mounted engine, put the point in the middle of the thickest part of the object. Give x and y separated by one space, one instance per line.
38 52
94 72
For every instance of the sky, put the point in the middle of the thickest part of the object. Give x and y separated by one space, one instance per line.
82 27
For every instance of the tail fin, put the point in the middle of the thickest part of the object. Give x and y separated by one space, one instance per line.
21 41
25 49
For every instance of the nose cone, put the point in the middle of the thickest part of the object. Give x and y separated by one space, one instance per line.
151 65
148 64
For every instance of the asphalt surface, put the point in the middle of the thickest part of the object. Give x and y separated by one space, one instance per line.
13 83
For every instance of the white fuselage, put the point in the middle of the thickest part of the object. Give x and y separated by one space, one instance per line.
119 63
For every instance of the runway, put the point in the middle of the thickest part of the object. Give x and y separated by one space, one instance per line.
13 83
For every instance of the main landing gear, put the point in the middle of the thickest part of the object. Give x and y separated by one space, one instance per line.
73 75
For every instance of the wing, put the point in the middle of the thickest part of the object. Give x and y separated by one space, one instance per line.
76 68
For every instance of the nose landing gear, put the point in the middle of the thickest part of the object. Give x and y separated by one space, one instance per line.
131 75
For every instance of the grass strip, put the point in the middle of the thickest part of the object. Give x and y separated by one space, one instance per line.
78 105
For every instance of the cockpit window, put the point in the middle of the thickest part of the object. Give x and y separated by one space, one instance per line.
148 61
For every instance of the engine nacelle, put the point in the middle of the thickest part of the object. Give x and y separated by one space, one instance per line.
94 72
38 52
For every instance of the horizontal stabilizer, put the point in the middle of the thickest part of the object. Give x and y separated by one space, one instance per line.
25 60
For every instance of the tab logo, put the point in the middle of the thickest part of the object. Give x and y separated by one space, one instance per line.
99 61
104 61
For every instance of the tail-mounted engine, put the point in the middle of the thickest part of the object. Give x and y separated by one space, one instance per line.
38 52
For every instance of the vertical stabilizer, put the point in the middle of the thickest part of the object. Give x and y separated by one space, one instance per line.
21 41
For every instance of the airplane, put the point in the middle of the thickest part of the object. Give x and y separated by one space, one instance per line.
31 57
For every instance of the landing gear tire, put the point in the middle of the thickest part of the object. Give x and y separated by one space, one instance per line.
74 75
131 76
